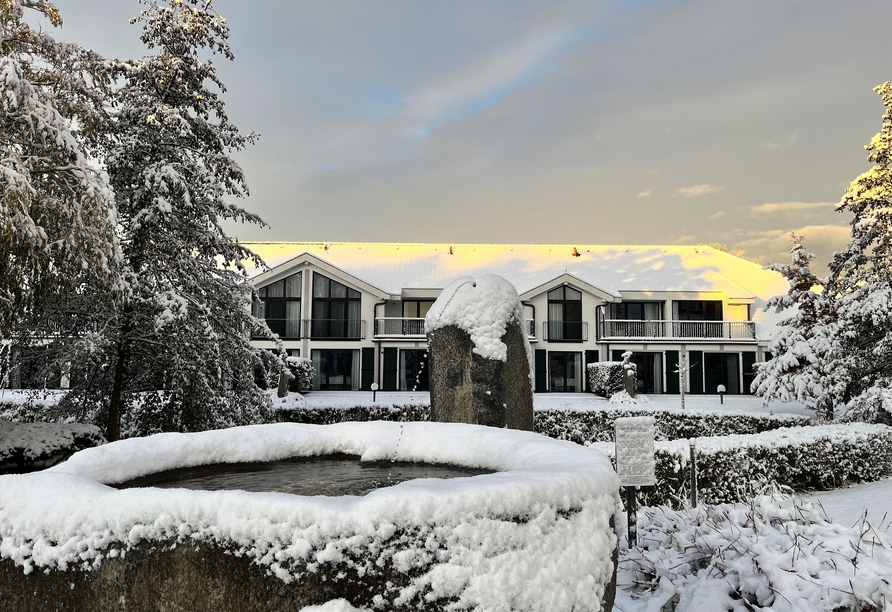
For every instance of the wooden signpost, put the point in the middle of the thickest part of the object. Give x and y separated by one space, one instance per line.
635 463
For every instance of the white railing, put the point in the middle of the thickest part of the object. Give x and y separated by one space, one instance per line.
709 330
399 327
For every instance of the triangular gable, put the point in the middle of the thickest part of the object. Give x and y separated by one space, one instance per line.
569 279
295 265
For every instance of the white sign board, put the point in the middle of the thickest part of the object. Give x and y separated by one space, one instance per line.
635 451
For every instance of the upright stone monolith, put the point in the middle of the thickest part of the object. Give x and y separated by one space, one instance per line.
480 355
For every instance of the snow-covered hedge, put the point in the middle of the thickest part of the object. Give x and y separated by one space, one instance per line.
605 377
30 446
144 413
597 425
537 530
580 426
739 467
757 556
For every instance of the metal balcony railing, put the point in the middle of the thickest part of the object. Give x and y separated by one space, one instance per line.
399 327
565 331
285 328
335 329
701 330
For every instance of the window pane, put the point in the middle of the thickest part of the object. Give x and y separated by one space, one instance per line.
292 286
338 290
410 310
423 308
556 294
320 286
276 289
353 294
572 294
262 292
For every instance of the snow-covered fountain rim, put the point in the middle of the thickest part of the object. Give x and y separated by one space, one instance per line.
73 498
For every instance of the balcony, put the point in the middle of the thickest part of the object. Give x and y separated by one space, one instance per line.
399 327
317 329
335 329
565 331
734 331
286 329
413 329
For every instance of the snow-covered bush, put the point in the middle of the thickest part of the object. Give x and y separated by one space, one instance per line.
605 377
623 397
302 372
759 556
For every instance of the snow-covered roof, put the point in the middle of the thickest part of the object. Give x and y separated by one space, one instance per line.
614 269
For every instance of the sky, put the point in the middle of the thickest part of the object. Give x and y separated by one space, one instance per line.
515 121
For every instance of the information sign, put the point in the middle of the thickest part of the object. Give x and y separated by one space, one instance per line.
635 451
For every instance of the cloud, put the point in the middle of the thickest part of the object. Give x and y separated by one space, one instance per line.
773 246
717 215
481 84
696 191
790 208
786 144
645 194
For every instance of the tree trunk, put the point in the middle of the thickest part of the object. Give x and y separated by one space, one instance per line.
116 403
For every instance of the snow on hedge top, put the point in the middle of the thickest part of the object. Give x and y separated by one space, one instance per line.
483 307
66 515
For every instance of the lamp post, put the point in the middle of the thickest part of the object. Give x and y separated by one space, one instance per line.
721 389
374 390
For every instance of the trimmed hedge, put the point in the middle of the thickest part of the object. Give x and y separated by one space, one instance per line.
598 425
582 427
733 469
605 377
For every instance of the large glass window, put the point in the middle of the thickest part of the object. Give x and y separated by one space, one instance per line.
565 372
416 309
697 310
635 311
414 370
336 310
722 369
279 306
336 369
564 314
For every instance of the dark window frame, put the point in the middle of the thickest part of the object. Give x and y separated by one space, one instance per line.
325 326
278 305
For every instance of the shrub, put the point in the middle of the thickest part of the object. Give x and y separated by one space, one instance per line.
302 372
605 377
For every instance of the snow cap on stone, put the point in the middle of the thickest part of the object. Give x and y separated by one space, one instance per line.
483 307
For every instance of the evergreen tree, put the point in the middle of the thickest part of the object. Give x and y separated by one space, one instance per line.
861 277
57 215
185 323
802 368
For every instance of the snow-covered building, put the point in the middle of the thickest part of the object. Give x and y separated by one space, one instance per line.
357 309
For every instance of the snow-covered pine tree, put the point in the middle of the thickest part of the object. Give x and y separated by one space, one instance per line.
185 323
861 279
57 215
802 367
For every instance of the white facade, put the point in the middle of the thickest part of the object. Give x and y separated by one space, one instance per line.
360 310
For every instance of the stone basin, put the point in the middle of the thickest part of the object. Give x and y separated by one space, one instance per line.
536 533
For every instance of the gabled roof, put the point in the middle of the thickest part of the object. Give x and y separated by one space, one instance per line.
611 269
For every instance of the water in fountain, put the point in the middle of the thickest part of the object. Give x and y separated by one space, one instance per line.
326 475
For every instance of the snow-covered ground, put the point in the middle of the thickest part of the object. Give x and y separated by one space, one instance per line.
846 506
